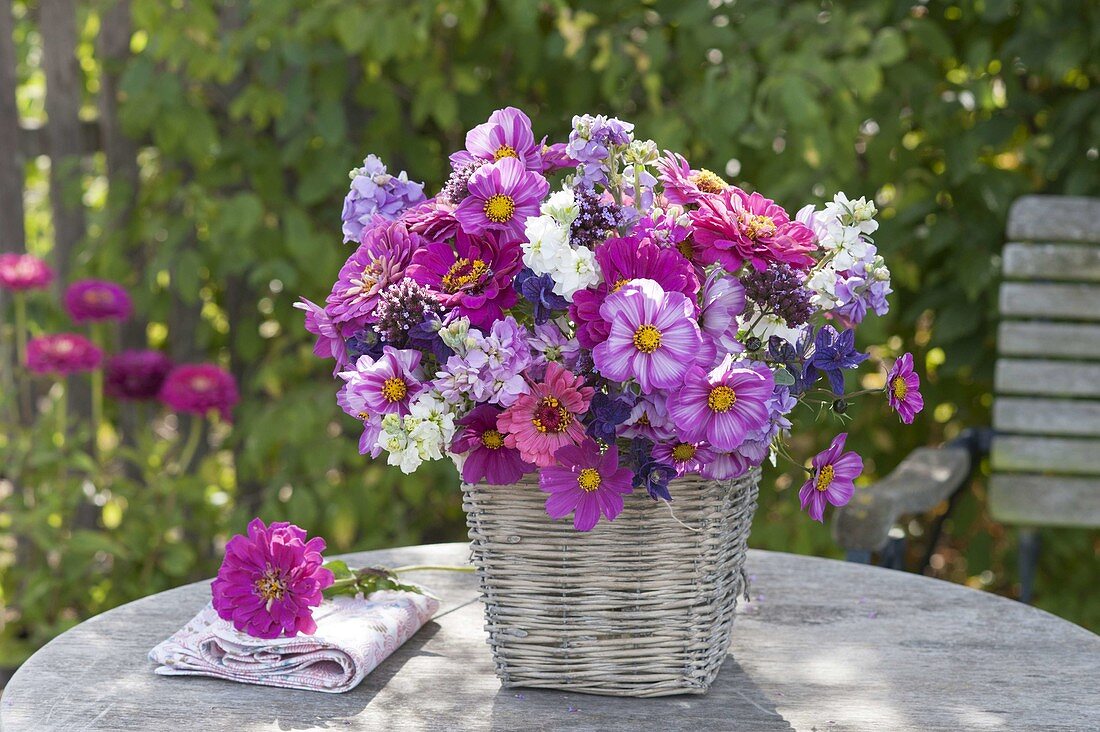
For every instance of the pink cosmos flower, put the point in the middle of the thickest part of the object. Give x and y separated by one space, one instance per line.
22 272
507 134
200 389
548 418
683 185
379 262
385 386
474 278
724 406
654 337
489 459
727 466
735 227
62 354
96 300
685 457
903 389
270 580
723 301
136 375
649 419
330 343
586 484
833 479
502 196
352 398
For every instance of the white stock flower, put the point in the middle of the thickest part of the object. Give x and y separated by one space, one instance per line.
562 207
547 244
576 271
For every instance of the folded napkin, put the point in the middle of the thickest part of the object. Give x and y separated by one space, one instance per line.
353 636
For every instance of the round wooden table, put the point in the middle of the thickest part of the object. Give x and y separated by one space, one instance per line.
823 645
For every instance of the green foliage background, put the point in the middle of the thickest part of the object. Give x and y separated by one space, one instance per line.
249 114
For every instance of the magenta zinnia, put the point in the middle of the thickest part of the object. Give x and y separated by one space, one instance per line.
95 300
502 196
903 389
538 424
379 262
136 375
585 483
62 354
723 406
833 478
270 580
682 184
488 459
21 272
735 227
200 389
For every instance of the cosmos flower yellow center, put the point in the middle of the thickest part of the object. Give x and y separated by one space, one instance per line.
492 439
686 249
505 151
394 389
499 208
708 182
589 480
270 585
363 416
647 339
683 451
759 227
619 284
721 398
644 419
900 388
551 416
464 274
824 478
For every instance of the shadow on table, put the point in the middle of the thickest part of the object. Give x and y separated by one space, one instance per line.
734 702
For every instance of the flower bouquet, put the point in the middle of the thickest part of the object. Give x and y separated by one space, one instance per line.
594 330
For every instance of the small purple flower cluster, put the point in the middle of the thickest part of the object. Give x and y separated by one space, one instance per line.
780 291
402 307
597 218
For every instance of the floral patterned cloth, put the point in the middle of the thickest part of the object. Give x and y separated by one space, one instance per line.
353 637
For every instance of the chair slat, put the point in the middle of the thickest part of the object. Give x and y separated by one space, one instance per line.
1045 454
1062 417
1071 262
1046 339
1045 501
1047 378
1041 300
1054 218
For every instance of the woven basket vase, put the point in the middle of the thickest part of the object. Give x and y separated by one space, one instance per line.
642 606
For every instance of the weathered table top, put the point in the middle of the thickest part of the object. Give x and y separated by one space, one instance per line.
823 645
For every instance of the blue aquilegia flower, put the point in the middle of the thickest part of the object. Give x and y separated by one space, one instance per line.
651 475
607 413
834 352
539 291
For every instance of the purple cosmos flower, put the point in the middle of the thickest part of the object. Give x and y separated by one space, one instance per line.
727 466
723 301
489 459
649 418
683 185
380 261
136 375
270 580
654 337
833 479
502 195
903 389
388 385
723 406
62 354
402 307
586 484
779 290
507 134
200 389
376 193
22 272
606 413
734 227
539 291
474 278
352 398
684 457
329 344
95 300
834 352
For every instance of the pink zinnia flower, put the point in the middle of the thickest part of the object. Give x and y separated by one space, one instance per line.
330 343
489 459
723 406
95 300
903 389
136 375
548 418
434 220
585 483
200 389
474 278
270 580
654 337
683 185
685 457
507 134
62 354
833 479
21 272
735 227
502 196
379 262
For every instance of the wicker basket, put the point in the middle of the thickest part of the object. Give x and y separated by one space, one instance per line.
642 606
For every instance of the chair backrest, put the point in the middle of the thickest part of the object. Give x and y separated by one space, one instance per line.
1046 410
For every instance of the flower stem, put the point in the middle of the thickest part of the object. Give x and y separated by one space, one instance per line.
62 409
20 299
187 454
433 568
97 391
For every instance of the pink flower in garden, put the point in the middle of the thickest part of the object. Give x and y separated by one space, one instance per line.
685 457
683 185
21 272
489 459
735 227
833 479
474 278
547 419
96 300
507 134
136 375
199 389
62 354
585 483
723 406
385 386
903 389
654 337
723 301
330 343
270 580
502 196
379 262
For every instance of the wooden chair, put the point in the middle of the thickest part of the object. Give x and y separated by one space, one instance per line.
1045 443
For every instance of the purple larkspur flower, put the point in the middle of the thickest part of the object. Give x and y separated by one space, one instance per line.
488 459
833 479
136 375
361 343
380 261
833 353
734 227
650 475
270 580
549 343
722 406
654 337
723 301
386 385
903 389
425 337
62 354
23 272
586 483
507 134
684 457
376 193
97 300
200 388
683 185
539 291
330 343
502 196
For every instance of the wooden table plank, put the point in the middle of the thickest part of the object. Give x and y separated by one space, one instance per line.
823 645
